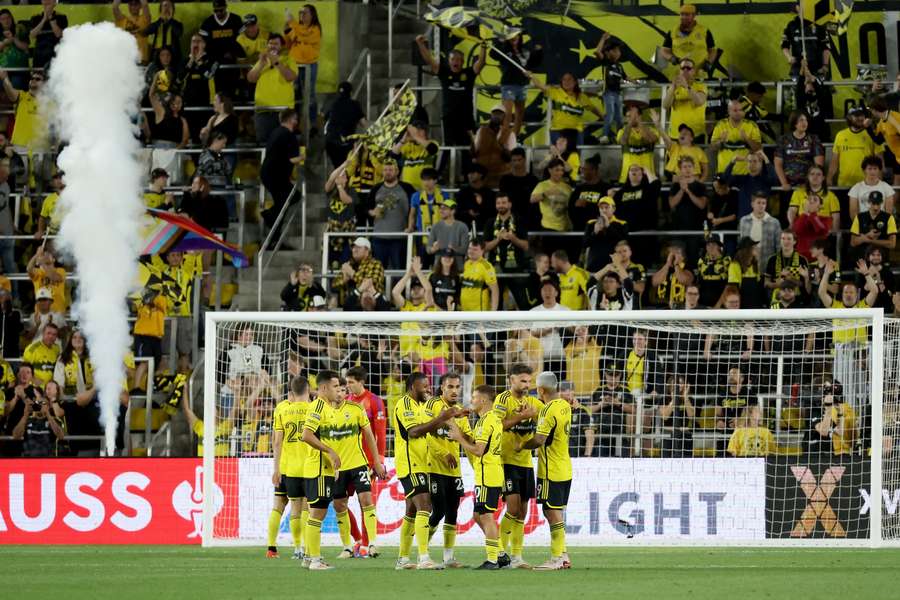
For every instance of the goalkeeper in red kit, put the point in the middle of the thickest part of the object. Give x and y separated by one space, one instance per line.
374 407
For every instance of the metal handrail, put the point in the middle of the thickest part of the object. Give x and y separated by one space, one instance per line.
261 263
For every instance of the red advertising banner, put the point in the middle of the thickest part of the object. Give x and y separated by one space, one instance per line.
103 501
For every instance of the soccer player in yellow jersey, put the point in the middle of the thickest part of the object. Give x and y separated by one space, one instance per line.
516 411
554 466
483 447
443 465
289 460
322 464
413 421
350 427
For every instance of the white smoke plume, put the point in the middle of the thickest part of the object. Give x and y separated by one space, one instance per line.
94 86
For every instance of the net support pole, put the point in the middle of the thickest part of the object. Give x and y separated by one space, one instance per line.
876 366
209 429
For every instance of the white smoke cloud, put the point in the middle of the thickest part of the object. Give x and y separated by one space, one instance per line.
94 86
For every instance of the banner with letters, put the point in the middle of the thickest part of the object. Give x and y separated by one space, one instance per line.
646 500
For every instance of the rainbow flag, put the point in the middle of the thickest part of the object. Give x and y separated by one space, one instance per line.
172 232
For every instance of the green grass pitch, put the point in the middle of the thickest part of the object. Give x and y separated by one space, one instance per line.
164 573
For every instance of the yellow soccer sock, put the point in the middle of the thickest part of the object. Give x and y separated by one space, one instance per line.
517 539
406 536
492 548
274 523
370 522
421 528
505 532
314 538
296 530
304 518
449 536
557 539
344 528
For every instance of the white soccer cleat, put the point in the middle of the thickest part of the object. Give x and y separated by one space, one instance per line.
452 563
517 563
298 554
372 551
554 564
404 564
319 565
306 562
345 553
567 564
426 564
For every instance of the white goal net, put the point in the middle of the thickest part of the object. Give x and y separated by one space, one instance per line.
709 427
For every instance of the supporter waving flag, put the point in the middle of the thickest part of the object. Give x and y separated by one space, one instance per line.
471 24
172 232
392 123
842 11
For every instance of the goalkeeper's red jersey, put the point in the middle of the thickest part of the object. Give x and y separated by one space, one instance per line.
374 407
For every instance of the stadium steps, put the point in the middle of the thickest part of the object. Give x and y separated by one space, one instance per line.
406 29
285 261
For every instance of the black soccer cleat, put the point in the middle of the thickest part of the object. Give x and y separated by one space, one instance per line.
503 561
487 566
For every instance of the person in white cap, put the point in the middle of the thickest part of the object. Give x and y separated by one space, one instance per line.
551 438
361 266
43 314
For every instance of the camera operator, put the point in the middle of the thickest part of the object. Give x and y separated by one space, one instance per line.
41 427
833 424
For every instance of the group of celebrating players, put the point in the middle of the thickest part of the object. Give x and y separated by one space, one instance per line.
320 458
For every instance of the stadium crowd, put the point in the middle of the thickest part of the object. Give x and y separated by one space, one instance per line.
744 217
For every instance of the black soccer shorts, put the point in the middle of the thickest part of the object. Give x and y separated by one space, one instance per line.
446 486
487 499
318 491
518 480
554 494
294 486
354 480
415 484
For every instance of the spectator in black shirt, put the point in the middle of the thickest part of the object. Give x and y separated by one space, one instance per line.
722 210
609 51
341 120
46 29
193 81
506 238
581 432
637 203
518 185
299 291
513 81
601 235
165 32
282 154
536 279
10 326
445 280
475 201
221 30
457 82
677 412
205 209
809 37
39 428
585 198
15 406
688 201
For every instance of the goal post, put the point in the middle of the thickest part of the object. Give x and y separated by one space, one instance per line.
719 427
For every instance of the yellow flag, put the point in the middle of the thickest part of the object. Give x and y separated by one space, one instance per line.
381 134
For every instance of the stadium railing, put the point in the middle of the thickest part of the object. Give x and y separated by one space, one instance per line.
282 226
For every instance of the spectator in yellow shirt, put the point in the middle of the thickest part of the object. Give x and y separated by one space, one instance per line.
252 39
273 75
851 146
479 281
637 139
751 438
149 327
682 146
553 197
135 22
836 423
887 131
573 281
735 137
686 99
568 108
305 41
44 273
